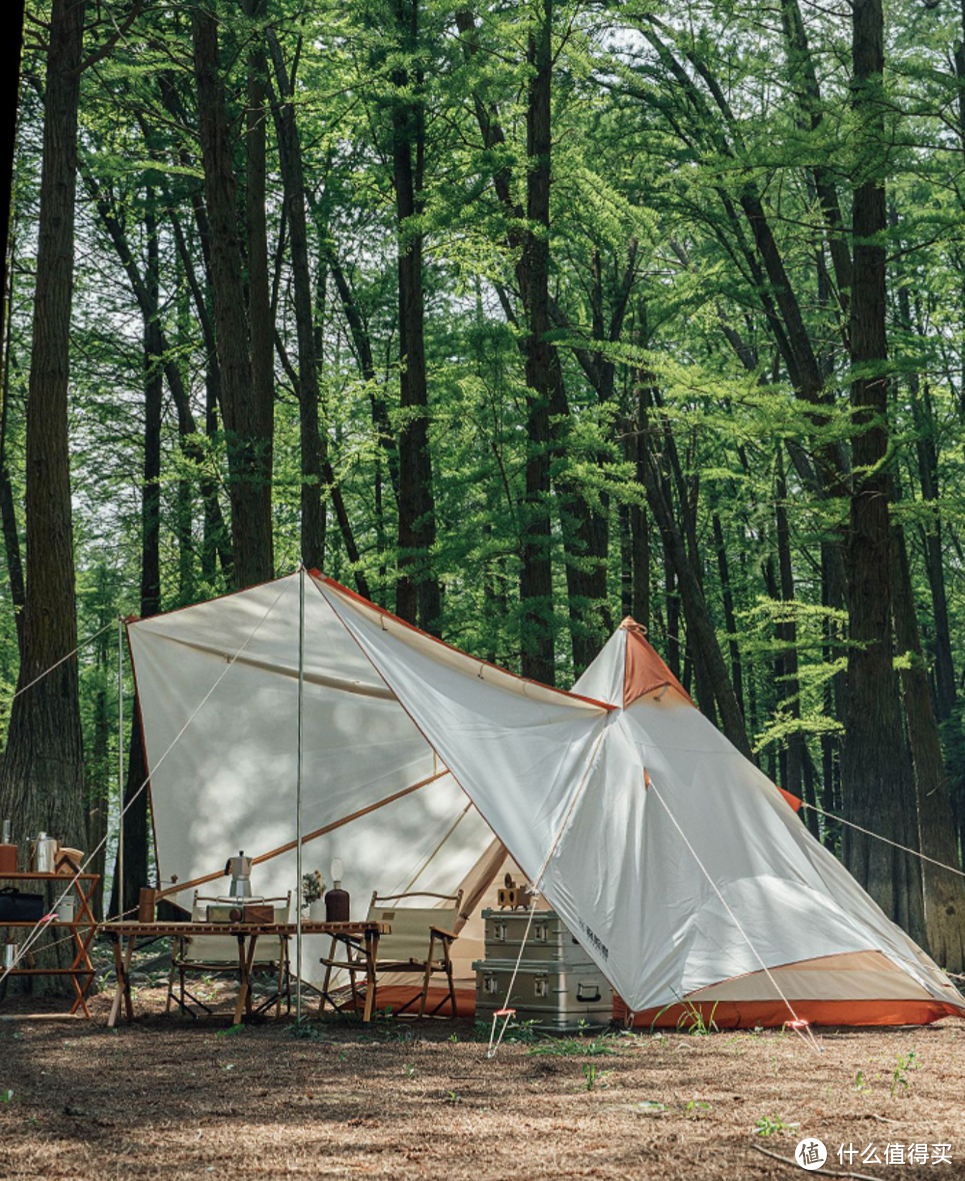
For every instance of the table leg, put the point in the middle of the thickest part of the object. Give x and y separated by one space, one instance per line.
242 982
371 961
81 966
244 964
122 965
128 1002
282 962
118 983
323 995
248 969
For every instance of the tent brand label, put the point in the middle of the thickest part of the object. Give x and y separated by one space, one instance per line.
595 939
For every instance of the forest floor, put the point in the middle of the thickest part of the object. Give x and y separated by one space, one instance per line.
171 1098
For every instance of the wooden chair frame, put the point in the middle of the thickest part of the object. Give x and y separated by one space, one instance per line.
437 961
181 964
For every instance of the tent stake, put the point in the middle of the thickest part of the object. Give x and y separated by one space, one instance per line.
120 764
298 795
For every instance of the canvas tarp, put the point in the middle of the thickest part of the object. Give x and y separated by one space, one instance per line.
671 888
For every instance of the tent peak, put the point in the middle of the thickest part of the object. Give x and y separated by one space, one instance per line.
629 624
645 669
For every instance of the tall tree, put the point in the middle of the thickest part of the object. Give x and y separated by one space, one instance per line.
543 373
313 449
136 819
944 890
244 390
875 779
417 594
41 781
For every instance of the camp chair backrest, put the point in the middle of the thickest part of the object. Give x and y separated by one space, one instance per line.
411 929
223 949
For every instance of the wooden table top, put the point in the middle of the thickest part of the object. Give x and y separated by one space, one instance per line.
138 930
49 877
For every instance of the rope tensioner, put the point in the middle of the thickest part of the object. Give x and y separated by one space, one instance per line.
507 1014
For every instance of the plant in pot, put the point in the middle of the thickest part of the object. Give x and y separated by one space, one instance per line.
313 896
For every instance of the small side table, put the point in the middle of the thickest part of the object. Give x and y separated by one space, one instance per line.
82 928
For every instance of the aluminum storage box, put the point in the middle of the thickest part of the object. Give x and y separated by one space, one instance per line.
548 939
557 996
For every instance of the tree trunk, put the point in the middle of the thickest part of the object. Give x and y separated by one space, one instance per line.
312 442
8 511
184 511
927 454
833 695
136 818
798 761
542 365
804 78
98 778
244 392
260 398
876 794
730 620
701 634
417 594
187 429
672 604
639 519
585 529
944 891
42 776
362 343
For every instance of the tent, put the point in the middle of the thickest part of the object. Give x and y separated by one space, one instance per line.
681 869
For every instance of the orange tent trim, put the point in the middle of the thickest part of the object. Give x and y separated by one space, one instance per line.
774 1014
645 670
791 799
394 996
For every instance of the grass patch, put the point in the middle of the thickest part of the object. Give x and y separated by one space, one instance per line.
569 1047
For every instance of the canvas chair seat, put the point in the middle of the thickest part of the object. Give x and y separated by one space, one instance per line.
218 955
419 943
219 950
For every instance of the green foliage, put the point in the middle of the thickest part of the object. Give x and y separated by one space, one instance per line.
667 124
594 1077
570 1046
899 1076
773 1126
234 1030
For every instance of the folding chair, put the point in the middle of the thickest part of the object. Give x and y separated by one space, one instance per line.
218 955
420 942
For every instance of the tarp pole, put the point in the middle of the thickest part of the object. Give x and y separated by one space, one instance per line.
298 796
120 765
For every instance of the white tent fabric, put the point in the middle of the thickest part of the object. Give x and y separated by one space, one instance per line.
228 783
633 870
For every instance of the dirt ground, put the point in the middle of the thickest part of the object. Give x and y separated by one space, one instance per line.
173 1098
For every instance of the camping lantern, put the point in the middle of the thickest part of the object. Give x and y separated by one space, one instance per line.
337 903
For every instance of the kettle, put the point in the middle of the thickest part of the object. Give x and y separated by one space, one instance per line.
240 870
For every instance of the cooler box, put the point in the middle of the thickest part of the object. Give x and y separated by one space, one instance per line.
548 939
557 996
